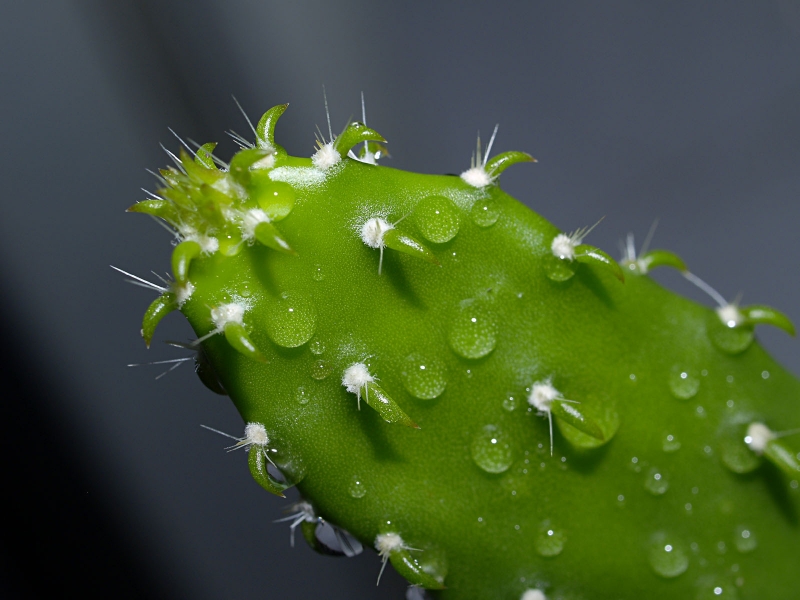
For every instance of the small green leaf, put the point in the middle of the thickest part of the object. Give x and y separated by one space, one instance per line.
660 258
267 234
407 566
388 409
758 314
203 156
594 256
238 338
782 456
571 413
160 308
182 257
163 209
497 164
405 243
257 461
354 133
265 130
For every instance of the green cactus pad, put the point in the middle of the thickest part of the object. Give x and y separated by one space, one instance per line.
672 474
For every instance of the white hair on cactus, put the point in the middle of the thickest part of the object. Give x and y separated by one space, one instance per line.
476 175
373 230
251 219
531 594
563 246
326 157
255 434
356 377
542 396
730 315
758 436
264 163
386 544
183 292
223 314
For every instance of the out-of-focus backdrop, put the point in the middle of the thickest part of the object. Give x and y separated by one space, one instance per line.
684 111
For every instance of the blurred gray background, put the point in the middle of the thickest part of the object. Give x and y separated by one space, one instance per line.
685 111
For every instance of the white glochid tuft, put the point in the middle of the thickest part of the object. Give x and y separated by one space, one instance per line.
477 177
542 395
252 218
325 157
563 246
183 292
531 594
356 377
373 230
730 315
227 313
758 436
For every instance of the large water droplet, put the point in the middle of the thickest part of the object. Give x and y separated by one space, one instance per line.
670 443
490 450
424 378
550 539
320 369
292 320
558 269
683 382
667 555
485 213
736 456
276 199
230 243
745 539
656 482
473 330
438 219
731 340
356 488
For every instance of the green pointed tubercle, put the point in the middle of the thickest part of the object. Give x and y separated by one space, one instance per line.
405 243
497 164
407 566
163 209
199 172
268 235
160 308
782 456
257 461
571 413
758 314
182 258
265 130
354 133
659 258
375 397
203 156
242 161
237 337
594 256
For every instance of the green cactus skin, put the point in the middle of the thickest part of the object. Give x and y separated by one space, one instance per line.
403 347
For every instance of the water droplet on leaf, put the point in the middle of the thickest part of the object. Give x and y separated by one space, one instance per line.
320 370
731 340
683 382
292 320
473 330
317 347
485 213
670 443
490 450
656 482
357 489
437 218
424 378
745 539
550 540
667 555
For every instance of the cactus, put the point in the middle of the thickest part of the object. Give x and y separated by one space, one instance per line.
496 407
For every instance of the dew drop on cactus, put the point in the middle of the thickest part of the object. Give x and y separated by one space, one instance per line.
356 488
549 540
490 450
745 539
667 555
292 320
438 219
424 378
656 482
683 382
473 330
485 213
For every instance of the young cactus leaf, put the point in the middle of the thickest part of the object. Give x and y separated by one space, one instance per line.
163 209
355 133
267 234
182 257
408 245
160 308
240 341
658 258
359 381
407 566
499 163
570 413
265 130
780 454
242 161
594 256
204 156
758 314
257 461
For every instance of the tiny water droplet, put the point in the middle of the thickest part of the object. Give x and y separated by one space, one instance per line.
230 244
357 489
793 483
473 330
683 382
735 454
510 403
292 320
731 340
558 269
437 218
764 374
490 450
745 539
730 403
244 291
317 347
317 273
485 213
424 378
320 370
670 443
716 588
550 540
656 482
301 395
667 555
729 379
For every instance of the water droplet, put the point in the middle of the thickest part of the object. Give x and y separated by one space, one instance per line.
683 382
301 395
473 330
437 218
670 443
667 555
745 539
736 456
230 243
793 483
244 291
730 403
716 588
490 450
510 403
357 489
292 320
731 340
550 540
276 199
424 378
317 274
317 347
764 374
656 482
485 213
320 370
558 269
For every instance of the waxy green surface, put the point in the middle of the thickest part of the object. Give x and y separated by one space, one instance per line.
663 500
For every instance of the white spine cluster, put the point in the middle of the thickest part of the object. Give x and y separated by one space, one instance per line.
542 396
183 292
564 245
532 594
730 315
758 436
224 314
373 230
356 377
326 157
251 219
477 177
